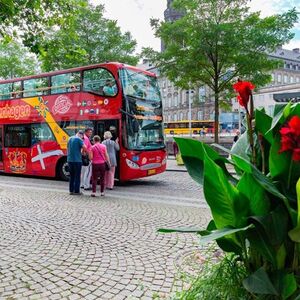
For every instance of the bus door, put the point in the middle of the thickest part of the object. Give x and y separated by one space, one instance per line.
1 148
113 127
107 125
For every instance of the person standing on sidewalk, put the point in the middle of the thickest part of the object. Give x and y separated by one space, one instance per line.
98 156
75 148
112 148
86 171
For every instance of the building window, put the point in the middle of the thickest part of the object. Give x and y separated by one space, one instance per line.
297 79
279 78
292 79
285 79
273 77
175 95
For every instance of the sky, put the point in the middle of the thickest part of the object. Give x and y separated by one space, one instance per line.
134 16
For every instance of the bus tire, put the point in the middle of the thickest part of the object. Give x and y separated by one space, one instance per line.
63 169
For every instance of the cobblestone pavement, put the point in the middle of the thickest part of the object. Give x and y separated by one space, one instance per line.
57 246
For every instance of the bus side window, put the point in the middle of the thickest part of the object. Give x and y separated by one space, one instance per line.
41 132
95 80
17 136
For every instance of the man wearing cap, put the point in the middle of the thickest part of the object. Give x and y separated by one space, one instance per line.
75 147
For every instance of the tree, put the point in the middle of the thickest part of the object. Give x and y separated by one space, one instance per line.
16 61
217 41
88 38
28 19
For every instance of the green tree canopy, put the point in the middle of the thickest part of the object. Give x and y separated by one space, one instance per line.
217 41
28 19
16 61
88 38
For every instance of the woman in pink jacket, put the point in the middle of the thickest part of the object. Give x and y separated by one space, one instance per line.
98 156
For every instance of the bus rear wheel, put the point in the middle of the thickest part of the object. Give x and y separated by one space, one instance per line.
63 171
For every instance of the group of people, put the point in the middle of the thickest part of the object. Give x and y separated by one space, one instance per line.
99 155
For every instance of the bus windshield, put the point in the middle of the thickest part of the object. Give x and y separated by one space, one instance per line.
143 111
140 85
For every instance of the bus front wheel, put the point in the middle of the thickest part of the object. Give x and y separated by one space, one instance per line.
63 171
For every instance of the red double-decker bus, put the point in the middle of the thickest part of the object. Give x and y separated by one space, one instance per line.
38 114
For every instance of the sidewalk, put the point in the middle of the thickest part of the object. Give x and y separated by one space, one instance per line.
172 165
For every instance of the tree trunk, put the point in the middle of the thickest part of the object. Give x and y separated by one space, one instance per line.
216 117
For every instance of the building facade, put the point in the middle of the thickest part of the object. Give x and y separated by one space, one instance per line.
198 104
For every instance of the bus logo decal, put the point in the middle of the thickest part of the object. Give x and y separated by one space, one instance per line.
42 108
62 105
17 161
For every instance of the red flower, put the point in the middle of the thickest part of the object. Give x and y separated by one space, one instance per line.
244 88
290 138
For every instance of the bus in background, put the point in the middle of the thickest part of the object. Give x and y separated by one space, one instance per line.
39 113
182 127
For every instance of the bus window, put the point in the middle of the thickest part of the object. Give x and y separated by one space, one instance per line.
36 87
41 132
71 127
98 80
5 91
65 83
140 85
17 136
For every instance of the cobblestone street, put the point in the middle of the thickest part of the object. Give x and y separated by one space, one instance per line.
57 246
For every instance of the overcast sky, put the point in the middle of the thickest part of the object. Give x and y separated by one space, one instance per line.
134 16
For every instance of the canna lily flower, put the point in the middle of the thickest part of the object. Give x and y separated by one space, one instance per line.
244 88
290 138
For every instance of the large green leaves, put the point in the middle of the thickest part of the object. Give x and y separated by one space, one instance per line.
260 283
259 201
228 206
193 153
263 123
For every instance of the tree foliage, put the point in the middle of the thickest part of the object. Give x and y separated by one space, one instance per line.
16 61
217 41
87 38
28 19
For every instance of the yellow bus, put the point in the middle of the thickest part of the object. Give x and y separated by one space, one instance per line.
182 127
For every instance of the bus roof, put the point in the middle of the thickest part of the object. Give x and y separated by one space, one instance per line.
118 65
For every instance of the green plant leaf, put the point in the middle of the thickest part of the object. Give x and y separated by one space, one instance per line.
262 245
239 148
259 283
263 123
279 109
285 283
265 182
228 206
294 234
281 256
259 202
192 153
274 225
279 163
219 233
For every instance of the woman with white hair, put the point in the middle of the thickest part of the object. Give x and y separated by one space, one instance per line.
112 148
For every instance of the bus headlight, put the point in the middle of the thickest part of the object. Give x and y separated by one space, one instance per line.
131 164
164 161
